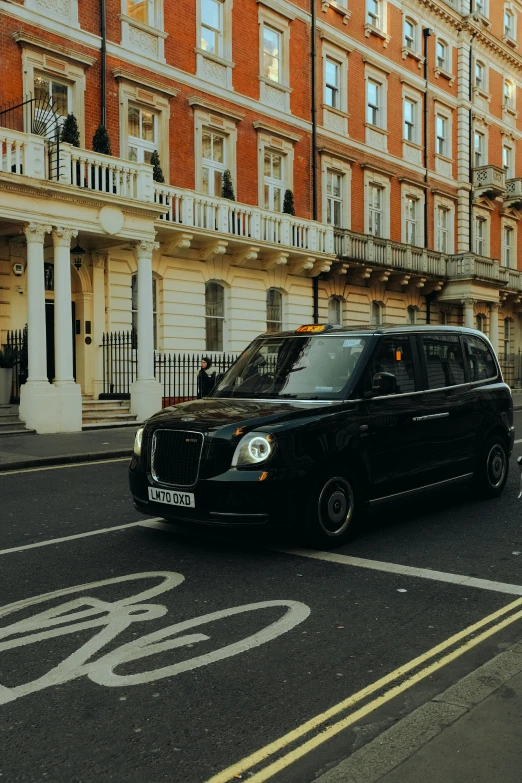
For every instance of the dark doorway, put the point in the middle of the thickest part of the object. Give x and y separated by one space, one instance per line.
49 333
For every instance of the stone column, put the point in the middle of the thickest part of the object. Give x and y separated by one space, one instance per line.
146 392
63 349
493 325
469 313
36 339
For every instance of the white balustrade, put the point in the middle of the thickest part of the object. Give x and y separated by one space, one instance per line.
105 174
22 153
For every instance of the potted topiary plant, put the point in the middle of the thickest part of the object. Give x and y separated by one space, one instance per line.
70 131
227 188
157 173
288 203
8 359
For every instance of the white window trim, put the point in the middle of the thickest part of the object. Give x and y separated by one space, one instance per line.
275 94
416 52
336 119
446 72
512 224
381 31
213 68
284 314
485 13
374 178
511 146
377 135
328 162
510 39
282 146
146 39
482 131
226 127
509 110
226 308
62 70
484 214
445 203
444 163
408 191
145 96
481 91
341 6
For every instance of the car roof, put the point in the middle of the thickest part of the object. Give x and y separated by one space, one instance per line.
377 330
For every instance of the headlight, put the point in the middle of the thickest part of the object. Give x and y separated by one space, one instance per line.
137 441
254 448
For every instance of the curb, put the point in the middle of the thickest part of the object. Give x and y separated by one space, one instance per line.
65 459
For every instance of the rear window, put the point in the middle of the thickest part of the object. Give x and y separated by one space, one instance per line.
444 360
480 361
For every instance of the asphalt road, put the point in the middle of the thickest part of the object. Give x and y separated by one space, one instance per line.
181 653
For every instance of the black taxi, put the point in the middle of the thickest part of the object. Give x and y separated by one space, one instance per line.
308 427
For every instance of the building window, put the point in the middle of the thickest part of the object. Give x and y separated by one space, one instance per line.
274 184
376 314
274 310
480 236
272 40
213 150
507 336
214 316
335 311
480 76
509 94
480 7
508 246
374 13
509 24
478 146
481 323
332 84
50 93
411 209
212 26
410 35
411 315
134 308
334 198
410 112
373 102
442 55
507 161
442 135
375 226
443 217
142 128
443 318
141 11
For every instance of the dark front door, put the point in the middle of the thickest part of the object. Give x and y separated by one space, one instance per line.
49 333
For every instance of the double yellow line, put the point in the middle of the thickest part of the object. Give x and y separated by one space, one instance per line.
462 642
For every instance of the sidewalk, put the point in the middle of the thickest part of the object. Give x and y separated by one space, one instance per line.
31 451
471 733
517 404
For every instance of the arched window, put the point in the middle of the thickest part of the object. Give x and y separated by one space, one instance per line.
507 336
411 315
335 311
509 94
376 314
134 306
481 322
274 310
214 316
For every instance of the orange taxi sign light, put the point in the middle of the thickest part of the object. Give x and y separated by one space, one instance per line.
311 328
398 355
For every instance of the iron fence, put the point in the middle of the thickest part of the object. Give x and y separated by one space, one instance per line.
120 364
17 341
35 114
178 373
511 366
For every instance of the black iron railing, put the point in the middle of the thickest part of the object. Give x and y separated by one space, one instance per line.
35 114
120 363
17 341
511 366
178 373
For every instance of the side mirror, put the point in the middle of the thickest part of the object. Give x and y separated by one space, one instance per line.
384 383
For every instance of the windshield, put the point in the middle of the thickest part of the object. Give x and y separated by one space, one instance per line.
300 367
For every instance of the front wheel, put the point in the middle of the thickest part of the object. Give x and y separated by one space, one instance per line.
331 512
492 469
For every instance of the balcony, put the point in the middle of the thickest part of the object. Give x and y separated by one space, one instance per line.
469 266
489 181
513 197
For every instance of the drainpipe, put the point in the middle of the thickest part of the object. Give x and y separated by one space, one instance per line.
427 32
103 33
315 280
470 96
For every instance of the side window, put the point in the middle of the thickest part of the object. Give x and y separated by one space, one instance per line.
481 364
444 360
394 355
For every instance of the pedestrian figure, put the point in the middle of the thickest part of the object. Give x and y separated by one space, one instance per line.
206 378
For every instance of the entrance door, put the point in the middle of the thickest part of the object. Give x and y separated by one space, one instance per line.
49 333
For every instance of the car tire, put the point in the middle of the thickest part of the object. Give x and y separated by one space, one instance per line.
331 512
493 467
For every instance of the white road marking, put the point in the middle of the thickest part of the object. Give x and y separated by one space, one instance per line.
518 441
99 532
60 467
110 618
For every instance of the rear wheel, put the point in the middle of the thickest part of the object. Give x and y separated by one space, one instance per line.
331 511
493 468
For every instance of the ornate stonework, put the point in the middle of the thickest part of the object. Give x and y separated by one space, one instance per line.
214 72
35 232
143 41
62 236
57 7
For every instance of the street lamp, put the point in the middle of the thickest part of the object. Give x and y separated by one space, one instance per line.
77 254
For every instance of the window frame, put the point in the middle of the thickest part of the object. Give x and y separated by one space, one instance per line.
340 302
375 179
220 318
272 183
414 124
480 157
337 87
376 313
142 145
509 32
280 321
330 164
467 360
424 363
413 38
509 96
210 164
481 219
281 145
215 68
219 32
276 94
509 252
508 147
209 120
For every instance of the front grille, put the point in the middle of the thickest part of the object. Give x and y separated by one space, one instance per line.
175 457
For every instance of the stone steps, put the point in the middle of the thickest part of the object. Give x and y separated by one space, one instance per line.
104 414
10 424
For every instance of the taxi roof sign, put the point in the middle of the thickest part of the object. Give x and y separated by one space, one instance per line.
313 328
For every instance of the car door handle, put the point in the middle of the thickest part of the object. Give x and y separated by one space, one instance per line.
432 416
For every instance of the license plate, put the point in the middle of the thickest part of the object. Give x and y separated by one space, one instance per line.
172 498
